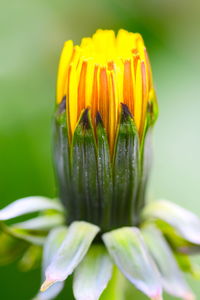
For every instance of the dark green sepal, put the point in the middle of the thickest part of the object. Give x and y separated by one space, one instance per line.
84 172
146 153
11 248
125 170
151 117
104 172
62 155
152 109
145 166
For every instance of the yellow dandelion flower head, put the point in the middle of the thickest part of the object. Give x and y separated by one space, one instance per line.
103 72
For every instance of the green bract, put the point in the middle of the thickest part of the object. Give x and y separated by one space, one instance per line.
96 185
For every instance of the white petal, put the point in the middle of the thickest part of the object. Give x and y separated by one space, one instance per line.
93 274
29 205
172 278
52 244
183 221
46 222
127 248
74 247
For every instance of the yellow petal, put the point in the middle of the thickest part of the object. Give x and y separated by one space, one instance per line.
63 69
104 71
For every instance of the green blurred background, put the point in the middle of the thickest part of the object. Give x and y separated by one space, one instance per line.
31 38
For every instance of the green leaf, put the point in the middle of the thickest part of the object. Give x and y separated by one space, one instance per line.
93 274
52 244
43 223
71 252
29 205
186 265
31 258
176 242
185 223
125 170
128 250
11 248
172 278
84 171
33 238
104 172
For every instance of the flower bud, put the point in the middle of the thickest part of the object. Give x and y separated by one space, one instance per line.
105 108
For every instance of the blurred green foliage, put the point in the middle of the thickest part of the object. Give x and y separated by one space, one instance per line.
31 36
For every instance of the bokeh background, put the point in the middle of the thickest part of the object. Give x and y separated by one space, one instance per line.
31 37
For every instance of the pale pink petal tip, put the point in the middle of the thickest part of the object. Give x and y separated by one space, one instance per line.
157 296
46 284
189 296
